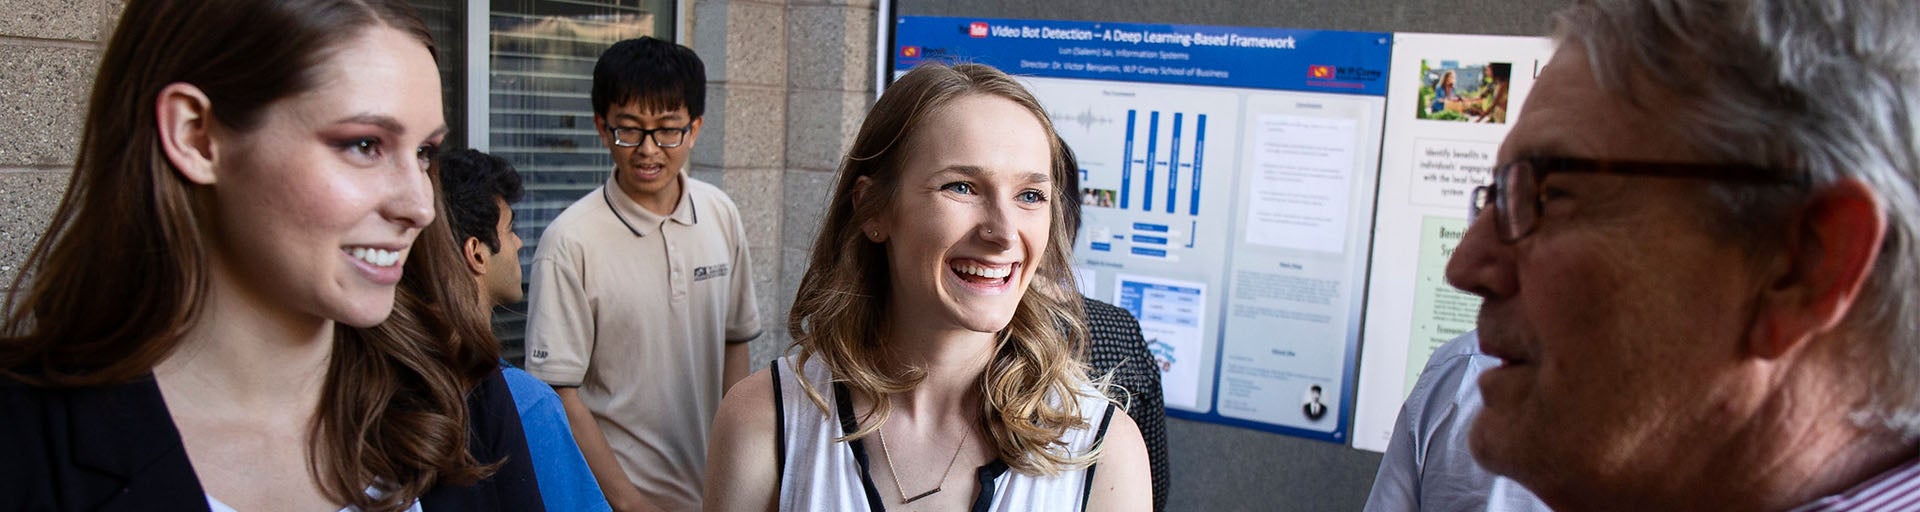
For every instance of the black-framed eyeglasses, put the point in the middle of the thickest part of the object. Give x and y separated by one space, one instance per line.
1515 192
665 138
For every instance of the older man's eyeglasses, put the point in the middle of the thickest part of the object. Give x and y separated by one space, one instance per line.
665 138
1515 198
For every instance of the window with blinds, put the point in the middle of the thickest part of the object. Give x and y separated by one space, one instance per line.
541 56
444 18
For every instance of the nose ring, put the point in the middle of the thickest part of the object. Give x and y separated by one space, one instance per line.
989 231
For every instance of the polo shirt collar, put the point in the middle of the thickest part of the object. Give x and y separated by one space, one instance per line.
644 222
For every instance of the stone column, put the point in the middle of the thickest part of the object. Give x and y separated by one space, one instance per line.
787 86
830 48
742 147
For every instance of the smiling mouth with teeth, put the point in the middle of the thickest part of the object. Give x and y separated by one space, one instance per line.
376 257
982 274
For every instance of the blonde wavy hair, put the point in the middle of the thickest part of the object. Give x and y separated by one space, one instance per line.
1029 390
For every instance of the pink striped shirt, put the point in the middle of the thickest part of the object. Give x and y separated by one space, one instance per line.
1898 489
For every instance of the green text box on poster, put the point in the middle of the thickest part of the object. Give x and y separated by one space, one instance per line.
1440 311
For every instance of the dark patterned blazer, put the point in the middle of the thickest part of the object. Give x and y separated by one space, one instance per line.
1119 349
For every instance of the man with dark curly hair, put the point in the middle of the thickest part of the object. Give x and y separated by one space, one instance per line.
478 189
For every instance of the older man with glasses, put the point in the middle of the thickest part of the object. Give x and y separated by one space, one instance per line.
1698 261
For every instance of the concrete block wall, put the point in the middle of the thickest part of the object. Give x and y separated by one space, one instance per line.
51 48
788 83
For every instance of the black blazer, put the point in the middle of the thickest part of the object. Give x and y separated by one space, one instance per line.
115 448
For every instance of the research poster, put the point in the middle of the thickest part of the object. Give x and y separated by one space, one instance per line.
1450 101
1228 182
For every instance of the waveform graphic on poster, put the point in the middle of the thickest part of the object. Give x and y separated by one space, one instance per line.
1085 119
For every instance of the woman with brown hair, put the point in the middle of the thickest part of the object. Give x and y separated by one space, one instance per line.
938 329
246 300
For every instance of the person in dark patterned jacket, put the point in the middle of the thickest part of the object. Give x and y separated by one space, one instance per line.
1118 349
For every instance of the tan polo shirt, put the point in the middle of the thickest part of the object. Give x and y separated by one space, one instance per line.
636 310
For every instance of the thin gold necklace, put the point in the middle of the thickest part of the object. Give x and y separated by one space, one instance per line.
884 452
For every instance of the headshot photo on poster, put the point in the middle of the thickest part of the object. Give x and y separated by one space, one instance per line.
1311 403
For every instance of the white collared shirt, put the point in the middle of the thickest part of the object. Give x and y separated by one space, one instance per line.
1427 466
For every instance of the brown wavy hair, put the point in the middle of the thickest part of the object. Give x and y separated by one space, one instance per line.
393 412
1029 389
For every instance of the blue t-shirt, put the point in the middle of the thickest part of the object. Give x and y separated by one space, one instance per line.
565 481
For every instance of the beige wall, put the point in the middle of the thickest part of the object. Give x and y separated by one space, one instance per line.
50 48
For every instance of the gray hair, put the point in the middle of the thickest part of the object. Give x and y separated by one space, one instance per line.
1830 88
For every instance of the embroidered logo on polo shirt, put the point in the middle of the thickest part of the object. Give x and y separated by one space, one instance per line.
709 272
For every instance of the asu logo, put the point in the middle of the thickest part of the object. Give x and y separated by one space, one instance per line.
977 29
709 272
909 51
1320 72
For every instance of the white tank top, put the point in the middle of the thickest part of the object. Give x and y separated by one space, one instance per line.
215 505
817 473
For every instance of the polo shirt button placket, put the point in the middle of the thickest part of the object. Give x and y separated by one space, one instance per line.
677 283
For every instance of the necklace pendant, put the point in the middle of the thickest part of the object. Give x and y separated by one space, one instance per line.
917 497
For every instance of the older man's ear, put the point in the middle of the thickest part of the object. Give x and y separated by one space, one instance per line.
1818 275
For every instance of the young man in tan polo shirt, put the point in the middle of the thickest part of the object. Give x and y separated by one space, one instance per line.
641 297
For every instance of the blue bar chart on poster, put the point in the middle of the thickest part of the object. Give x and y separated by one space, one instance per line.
1228 182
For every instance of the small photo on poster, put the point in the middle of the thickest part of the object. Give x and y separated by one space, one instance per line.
1098 197
1469 92
1313 403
